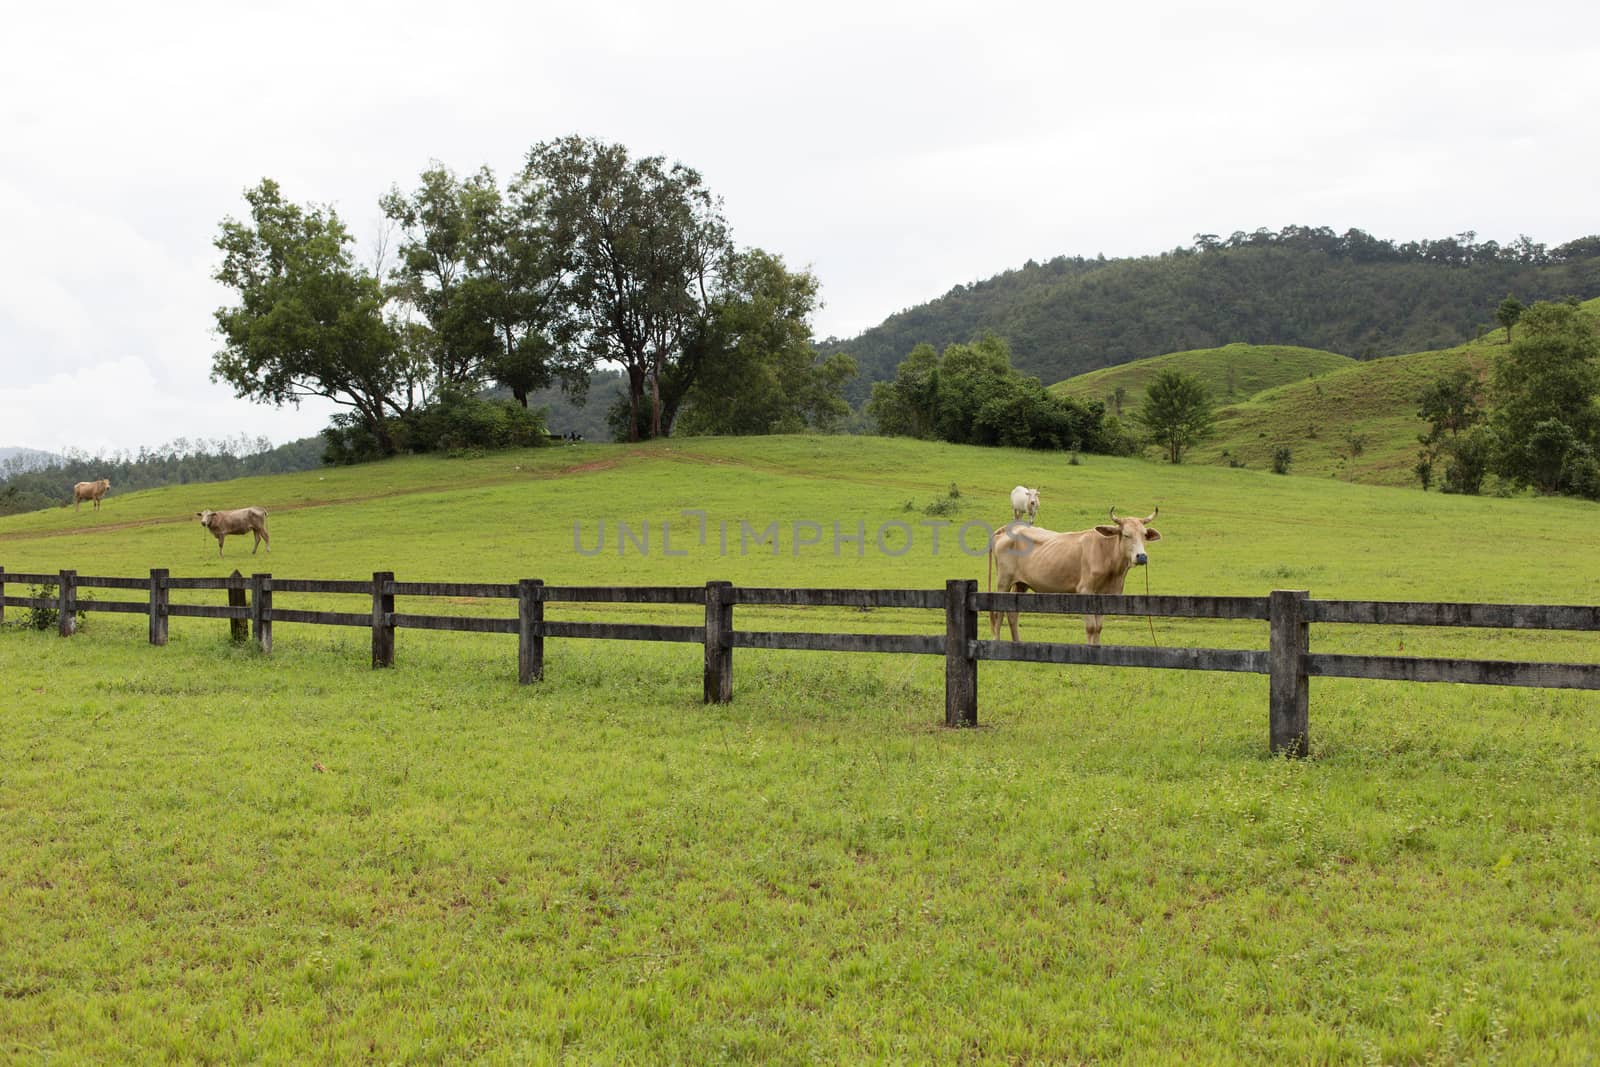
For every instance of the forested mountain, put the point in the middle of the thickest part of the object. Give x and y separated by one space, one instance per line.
1350 293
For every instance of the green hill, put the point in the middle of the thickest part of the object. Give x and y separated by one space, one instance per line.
1232 372
1353 420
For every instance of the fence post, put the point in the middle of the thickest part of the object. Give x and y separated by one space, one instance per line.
960 666
719 652
2 596
238 629
158 605
530 631
382 618
1290 643
67 604
261 610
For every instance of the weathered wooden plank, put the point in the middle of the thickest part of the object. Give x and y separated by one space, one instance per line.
67 608
209 611
1465 672
115 607
322 618
840 598
383 621
238 629
717 684
641 594
206 583
613 631
960 667
530 639
23 578
1289 695
460 623
1182 659
916 644
141 584
29 601
1501 616
157 607
317 585
1194 607
484 590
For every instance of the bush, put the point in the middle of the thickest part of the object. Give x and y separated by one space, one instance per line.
454 422
1281 460
46 618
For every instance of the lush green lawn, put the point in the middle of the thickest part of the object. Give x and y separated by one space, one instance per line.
215 856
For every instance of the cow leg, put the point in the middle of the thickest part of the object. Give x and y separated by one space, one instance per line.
1091 626
1011 616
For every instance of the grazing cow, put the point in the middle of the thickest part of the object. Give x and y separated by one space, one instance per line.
237 521
1087 561
1024 501
89 491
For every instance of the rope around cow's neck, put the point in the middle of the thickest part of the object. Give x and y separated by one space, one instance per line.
1147 617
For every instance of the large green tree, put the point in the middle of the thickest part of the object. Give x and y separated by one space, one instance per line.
758 373
1176 413
309 321
645 246
481 270
1546 388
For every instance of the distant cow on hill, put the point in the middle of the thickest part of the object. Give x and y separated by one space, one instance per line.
1024 501
237 521
89 491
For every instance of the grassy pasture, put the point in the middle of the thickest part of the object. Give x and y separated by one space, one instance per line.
214 856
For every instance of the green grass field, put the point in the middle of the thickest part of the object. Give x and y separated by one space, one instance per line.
214 856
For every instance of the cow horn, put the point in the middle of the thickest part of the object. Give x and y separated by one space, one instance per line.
1154 513
1113 513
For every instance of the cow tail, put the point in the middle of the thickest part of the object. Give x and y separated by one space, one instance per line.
988 585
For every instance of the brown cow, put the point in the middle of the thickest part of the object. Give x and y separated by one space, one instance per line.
1087 561
89 491
237 521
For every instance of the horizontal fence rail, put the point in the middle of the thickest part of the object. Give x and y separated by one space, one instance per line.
1288 660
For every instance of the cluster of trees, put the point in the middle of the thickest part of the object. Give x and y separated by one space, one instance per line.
1536 424
586 257
28 486
1351 293
970 394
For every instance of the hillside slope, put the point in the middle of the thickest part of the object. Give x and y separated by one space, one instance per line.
1232 372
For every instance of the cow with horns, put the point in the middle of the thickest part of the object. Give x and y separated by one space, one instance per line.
1093 561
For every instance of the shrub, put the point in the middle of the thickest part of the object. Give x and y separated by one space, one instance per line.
1281 460
46 618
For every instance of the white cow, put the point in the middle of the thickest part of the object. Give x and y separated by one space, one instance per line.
1024 501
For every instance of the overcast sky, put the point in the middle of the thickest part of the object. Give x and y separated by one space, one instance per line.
895 149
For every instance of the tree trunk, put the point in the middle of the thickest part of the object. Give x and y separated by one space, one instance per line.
635 395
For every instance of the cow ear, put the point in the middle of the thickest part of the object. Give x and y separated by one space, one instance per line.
1152 534
1109 531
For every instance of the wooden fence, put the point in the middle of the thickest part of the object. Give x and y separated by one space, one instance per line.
1288 662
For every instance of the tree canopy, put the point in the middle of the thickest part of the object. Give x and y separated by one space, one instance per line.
309 321
1546 389
1176 413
